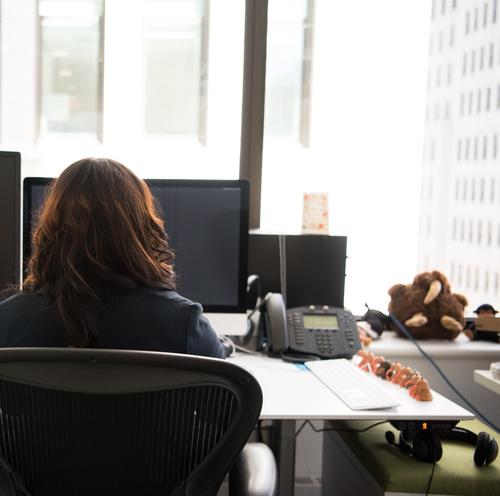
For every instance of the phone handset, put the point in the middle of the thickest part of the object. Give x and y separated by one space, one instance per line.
275 323
277 330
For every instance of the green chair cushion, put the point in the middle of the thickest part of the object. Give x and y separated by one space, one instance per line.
454 474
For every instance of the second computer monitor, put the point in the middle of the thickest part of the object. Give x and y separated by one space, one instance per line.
10 192
207 225
308 268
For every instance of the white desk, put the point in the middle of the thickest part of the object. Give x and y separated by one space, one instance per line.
291 393
486 379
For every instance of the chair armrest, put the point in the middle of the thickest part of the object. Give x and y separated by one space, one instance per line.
255 472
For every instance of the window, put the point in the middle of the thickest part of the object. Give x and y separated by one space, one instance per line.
176 37
158 85
289 61
488 98
71 74
155 83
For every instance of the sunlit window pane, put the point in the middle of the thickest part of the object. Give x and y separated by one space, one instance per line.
176 38
287 75
70 45
345 103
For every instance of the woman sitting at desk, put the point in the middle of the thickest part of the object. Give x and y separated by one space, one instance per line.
101 274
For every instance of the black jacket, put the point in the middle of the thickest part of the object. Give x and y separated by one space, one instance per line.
132 319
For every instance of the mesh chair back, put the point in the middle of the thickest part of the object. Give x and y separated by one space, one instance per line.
105 422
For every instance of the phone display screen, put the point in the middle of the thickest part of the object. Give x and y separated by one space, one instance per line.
320 321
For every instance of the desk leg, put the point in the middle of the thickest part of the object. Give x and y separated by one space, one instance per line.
283 446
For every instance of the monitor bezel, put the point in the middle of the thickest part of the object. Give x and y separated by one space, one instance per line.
241 184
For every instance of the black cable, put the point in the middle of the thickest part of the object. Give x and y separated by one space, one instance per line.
333 429
430 479
259 431
407 333
259 306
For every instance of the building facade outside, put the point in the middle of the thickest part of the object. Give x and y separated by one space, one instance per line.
460 213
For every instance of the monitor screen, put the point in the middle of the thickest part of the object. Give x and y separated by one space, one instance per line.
207 225
10 191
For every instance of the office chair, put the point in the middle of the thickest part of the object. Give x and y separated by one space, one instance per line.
108 422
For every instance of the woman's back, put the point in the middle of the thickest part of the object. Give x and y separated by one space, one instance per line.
131 318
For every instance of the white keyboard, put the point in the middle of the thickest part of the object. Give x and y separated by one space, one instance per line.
353 386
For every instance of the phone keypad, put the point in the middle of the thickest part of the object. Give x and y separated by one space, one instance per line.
324 340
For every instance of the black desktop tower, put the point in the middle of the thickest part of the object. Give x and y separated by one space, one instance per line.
10 206
309 269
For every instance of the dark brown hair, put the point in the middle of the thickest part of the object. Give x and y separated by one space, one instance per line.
98 229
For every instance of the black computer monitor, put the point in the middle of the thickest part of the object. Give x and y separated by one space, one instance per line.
10 189
207 225
309 269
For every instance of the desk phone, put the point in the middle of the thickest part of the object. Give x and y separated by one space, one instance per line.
318 330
